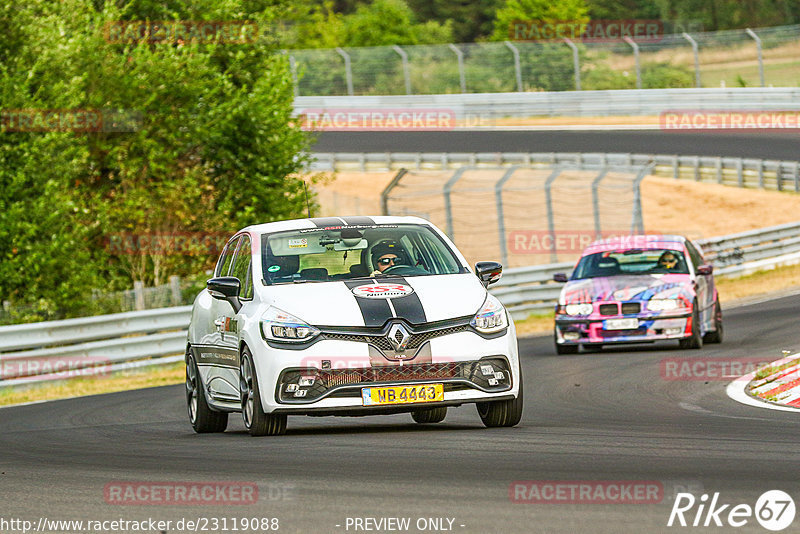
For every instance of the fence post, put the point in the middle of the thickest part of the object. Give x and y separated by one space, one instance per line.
636 59
719 170
348 71
637 224
448 207
797 176
676 168
551 225
175 289
576 62
138 295
696 59
697 168
385 193
293 68
598 230
517 65
761 174
740 172
757 39
461 76
501 223
406 72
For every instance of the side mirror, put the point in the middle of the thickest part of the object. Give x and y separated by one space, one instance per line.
226 288
705 269
560 277
488 272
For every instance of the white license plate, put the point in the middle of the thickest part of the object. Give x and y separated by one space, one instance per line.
621 324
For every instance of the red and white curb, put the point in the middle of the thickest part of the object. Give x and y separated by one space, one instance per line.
778 390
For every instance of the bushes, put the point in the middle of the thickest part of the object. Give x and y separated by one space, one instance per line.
212 149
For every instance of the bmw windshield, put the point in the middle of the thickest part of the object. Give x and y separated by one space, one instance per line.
349 252
631 262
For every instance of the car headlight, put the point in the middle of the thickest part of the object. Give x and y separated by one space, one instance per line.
582 308
278 325
491 317
662 304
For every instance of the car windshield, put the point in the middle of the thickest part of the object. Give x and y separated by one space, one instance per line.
344 253
630 261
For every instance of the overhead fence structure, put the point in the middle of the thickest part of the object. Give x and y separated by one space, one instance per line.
539 213
96 346
732 58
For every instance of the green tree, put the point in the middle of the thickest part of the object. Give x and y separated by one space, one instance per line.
540 11
212 146
378 23
471 20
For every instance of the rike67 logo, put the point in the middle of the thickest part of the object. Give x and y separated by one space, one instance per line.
774 510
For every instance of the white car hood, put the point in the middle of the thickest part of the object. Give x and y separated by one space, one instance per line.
434 298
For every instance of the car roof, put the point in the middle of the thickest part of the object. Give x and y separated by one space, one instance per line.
642 241
324 222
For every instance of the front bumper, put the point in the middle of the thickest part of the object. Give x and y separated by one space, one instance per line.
333 372
650 328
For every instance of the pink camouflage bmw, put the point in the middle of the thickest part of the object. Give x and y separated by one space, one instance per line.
636 289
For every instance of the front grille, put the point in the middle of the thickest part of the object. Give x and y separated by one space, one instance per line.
631 307
608 309
415 341
395 373
332 379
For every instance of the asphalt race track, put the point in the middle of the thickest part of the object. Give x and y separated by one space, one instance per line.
749 144
608 416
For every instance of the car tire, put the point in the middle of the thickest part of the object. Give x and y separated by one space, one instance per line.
502 413
716 335
255 420
201 416
430 415
695 341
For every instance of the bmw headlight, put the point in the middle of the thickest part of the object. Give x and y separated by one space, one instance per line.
278 325
583 308
662 304
491 317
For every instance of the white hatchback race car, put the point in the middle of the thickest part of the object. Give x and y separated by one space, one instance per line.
348 316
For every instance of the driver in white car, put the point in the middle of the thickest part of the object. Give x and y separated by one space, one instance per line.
385 255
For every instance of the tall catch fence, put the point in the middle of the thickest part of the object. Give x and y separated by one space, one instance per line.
524 215
732 58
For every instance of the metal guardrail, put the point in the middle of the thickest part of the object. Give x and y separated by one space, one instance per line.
152 337
53 350
741 172
480 109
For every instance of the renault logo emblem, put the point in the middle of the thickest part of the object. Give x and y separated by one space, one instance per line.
398 337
